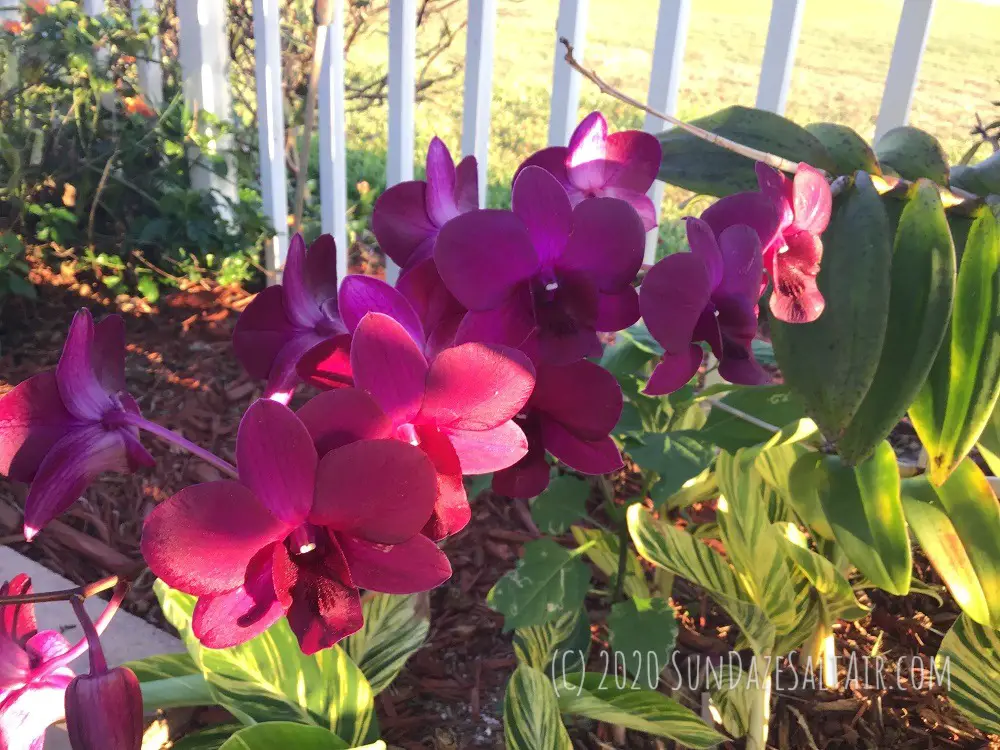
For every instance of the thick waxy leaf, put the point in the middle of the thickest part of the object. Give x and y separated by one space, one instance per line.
849 151
863 507
701 167
559 647
838 596
913 154
174 692
989 442
923 284
954 406
598 697
602 550
982 178
958 528
207 739
395 628
287 734
163 666
262 679
680 553
968 665
643 633
805 481
564 502
547 582
831 362
774 404
531 717
674 457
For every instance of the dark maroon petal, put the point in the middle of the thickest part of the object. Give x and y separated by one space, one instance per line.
742 262
708 329
476 387
512 324
389 366
324 605
262 331
467 184
441 181
606 244
301 306
585 160
336 418
76 374
633 159
583 396
321 268
567 342
379 490
485 451
705 245
202 539
284 377
528 478
109 353
796 298
753 209
400 221
674 371
451 505
234 617
408 568
672 297
277 460
32 420
813 201
17 621
616 312
360 295
328 364
68 469
641 202
541 203
483 255
553 161
436 307
586 456
737 365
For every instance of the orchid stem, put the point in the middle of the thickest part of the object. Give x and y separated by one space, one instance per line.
85 591
98 664
181 442
749 418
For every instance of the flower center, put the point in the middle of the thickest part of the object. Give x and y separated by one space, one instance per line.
304 541
408 434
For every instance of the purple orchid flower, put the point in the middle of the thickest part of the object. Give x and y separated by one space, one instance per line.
570 414
33 678
407 217
286 320
621 165
61 429
709 294
792 258
297 535
545 277
457 408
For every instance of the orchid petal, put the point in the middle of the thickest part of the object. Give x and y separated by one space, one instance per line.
441 181
582 396
300 304
649 214
672 297
618 311
511 324
202 539
46 645
284 377
553 161
740 248
15 666
467 185
529 477
26 713
484 451
438 310
328 363
336 418
796 298
401 224
585 161
451 505
17 621
321 269
705 245
567 341
379 490
753 209
541 203
778 190
606 244
408 568
360 295
388 365
633 160
586 456
109 353
813 200
674 371
32 420
262 331
81 391
738 365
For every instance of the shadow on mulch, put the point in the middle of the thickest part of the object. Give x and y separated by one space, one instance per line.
181 369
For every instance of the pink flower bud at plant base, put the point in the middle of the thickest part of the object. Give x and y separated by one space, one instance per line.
104 711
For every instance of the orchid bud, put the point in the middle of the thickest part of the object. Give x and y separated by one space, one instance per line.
104 711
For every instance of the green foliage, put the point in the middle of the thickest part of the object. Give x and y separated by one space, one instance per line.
602 548
643 632
774 404
207 739
968 664
395 628
557 647
564 502
849 151
913 154
531 713
274 734
13 269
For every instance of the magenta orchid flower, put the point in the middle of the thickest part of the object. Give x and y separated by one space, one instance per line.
620 165
33 680
286 320
457 408
298 534
709 294
792 258
61 429
545 277
407 217
570 414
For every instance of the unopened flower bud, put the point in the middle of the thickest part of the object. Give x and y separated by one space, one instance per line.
104 711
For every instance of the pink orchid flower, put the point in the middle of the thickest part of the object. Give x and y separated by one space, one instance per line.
570 414
298 534
61 429
286 320
792 258
407 217
544 277
620 165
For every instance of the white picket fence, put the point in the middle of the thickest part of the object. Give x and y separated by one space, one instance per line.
204 60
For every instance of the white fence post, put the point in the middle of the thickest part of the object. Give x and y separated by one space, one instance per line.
402 92
664 83
901 81
150 71
271 127
779 54
94 7
479 86
332 152
204 57
572 25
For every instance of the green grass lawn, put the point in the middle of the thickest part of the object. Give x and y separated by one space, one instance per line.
841 63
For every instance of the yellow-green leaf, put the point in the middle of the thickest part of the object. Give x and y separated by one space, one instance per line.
968 665
531 717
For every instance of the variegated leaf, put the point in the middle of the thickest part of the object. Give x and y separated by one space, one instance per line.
968 665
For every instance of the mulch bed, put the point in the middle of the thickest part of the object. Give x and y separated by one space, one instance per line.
181 369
